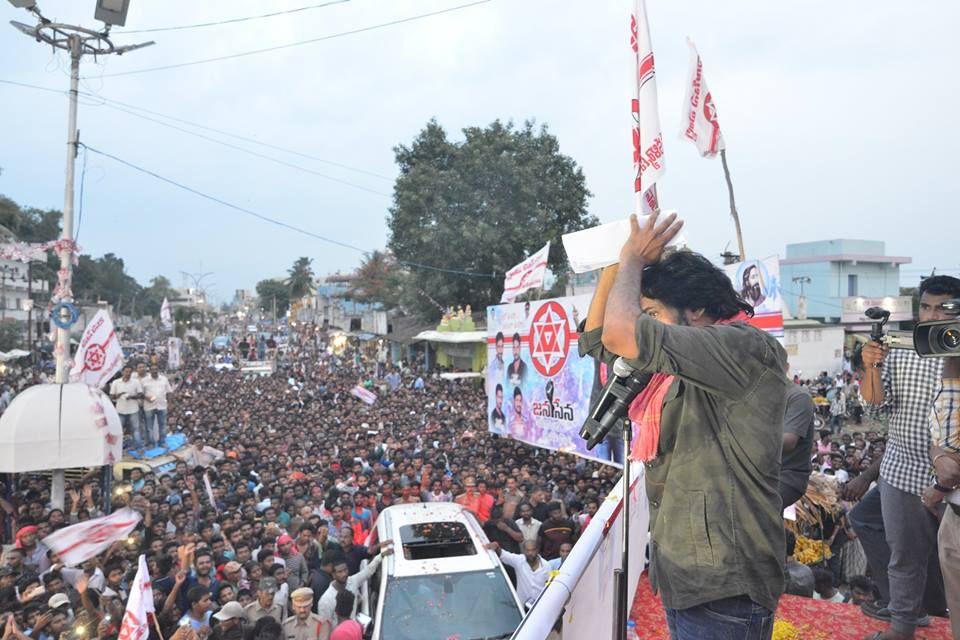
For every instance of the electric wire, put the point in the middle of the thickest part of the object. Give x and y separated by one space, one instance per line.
274 221
235 20
99 100
299 43
256 154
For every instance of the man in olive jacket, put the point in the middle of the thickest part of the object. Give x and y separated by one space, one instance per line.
717 540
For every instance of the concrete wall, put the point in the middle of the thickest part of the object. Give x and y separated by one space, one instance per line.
812 349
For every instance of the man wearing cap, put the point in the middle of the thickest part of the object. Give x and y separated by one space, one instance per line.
61 602
264 605
34 553
298 573
230 620
303 624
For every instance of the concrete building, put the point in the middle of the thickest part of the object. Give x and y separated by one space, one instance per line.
841 279
813 347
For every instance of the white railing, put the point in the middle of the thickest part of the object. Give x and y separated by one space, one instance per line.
584 592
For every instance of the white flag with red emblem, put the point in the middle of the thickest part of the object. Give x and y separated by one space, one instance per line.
699 119
647 139
99 355
82 541
527 275
136 619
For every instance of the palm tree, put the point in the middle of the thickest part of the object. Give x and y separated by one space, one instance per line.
300 281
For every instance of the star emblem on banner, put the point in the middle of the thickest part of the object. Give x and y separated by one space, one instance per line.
549 339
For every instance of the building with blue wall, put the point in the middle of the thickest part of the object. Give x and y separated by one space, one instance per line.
840 279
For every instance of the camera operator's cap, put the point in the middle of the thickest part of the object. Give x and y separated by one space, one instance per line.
302 594
230 611
268 585
58 600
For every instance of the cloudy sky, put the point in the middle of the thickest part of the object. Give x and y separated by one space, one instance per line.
838 119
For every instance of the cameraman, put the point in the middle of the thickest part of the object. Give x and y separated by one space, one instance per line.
945 456
710 432
898 534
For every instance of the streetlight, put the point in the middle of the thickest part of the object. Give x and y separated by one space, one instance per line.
79 41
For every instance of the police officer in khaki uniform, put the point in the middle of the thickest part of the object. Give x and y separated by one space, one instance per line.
264 605
304 624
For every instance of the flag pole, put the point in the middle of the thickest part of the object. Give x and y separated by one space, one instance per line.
733 204
156 625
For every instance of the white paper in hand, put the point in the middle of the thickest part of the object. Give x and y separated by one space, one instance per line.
600 246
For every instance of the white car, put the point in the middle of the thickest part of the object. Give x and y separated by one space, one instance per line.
441 581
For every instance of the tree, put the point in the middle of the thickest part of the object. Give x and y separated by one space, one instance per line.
105 278
480 206
12 334
301 278
153 296
274 290
378 280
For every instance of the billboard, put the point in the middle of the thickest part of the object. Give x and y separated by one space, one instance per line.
758 282
538 387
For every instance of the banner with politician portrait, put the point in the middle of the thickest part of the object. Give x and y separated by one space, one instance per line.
538 387
758 282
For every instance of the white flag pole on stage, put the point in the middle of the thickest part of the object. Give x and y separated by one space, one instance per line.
647 138
701 126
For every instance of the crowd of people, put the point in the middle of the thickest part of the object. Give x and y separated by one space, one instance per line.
263 527
298 471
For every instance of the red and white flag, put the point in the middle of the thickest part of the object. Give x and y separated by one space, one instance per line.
136 619
699 119
165 316
82 541
527 275
99 355
364 395
647 139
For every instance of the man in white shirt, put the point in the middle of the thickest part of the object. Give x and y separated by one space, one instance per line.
529 526
125 393
532 570
156 386
342 580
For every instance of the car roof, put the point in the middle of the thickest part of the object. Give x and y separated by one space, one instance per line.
395 517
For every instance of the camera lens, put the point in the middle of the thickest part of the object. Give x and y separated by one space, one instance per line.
950 339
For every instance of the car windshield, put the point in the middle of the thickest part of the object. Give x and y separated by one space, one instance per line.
476 604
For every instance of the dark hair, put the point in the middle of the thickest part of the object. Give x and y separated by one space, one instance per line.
499 336
863 583
499 388
941 286
344 606
516 337
688 281
196 593
267 628
822 578
517 392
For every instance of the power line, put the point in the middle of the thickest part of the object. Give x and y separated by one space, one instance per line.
235 20
102 101
273 221
253 153
294 44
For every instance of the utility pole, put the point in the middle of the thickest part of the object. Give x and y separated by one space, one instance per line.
79 41
802 301
3 291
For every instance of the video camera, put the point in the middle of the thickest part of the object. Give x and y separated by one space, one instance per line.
933 339
939 338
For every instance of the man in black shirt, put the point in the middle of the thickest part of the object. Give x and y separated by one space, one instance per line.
798 431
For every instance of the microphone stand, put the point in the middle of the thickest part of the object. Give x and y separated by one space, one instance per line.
622 575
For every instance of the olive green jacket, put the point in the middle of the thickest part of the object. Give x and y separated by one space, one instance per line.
715 514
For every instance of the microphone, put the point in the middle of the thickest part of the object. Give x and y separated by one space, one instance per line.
622 388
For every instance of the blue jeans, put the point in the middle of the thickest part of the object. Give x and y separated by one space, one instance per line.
131 424
160 415
737 618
